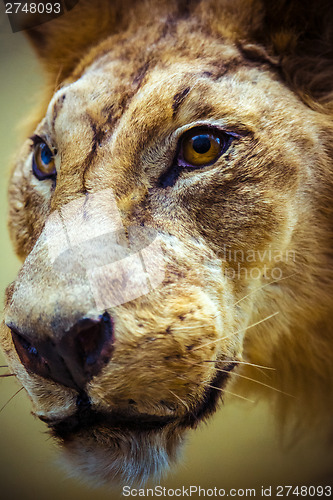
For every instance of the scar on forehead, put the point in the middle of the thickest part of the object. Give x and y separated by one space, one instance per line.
178 99
57 107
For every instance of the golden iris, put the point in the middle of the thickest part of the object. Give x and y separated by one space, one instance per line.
201 149
43 162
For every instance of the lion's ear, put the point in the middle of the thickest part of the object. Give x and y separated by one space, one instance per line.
63 41
300 32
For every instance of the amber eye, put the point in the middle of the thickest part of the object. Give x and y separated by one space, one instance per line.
43 165
200 148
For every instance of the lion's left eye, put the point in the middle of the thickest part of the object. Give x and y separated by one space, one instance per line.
43 164
203 147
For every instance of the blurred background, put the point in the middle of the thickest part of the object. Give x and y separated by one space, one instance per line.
239 448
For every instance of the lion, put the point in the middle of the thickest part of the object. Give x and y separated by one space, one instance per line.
172 207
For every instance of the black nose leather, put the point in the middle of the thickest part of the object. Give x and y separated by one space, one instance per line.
73 360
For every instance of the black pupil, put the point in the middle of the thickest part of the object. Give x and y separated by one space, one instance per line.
201 144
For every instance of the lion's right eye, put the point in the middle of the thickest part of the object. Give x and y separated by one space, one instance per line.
201 149
43 164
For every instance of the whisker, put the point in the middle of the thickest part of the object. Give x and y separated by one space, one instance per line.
263 286
254 380
231 393
235 333
230 362
180 399
219 389
240 363
212 387
182 328
10 399
8 375
261 368
4 366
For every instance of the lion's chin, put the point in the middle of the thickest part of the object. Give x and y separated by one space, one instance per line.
126 447
120 457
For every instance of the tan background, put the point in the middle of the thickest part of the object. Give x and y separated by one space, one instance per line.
239 448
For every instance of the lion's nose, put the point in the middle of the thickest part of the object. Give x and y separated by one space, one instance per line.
73 360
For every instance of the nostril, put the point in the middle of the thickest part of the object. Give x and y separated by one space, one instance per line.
94 339
29 355
87 347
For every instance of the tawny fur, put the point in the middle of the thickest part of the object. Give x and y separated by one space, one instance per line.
134 75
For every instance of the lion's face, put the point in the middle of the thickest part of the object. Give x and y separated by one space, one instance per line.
127 320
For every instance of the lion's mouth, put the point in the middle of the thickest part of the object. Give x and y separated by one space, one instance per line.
87 418
69 427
